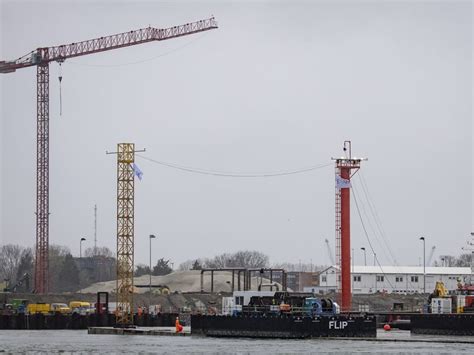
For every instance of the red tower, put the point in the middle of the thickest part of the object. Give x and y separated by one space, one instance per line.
344 172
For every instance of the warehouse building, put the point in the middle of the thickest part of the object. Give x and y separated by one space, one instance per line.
392 279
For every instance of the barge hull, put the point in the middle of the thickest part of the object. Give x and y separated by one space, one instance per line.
284 326
443 324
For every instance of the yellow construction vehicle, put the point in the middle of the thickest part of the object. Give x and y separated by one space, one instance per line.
80 307
440 290
60 308
34 308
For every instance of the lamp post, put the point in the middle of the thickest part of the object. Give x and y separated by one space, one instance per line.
80 247
149 301
375 257
365 256
472 255
424 265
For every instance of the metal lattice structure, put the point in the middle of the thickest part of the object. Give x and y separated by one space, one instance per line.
42 181
41 57
125 230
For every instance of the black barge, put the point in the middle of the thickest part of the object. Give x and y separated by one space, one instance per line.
284 326
281 314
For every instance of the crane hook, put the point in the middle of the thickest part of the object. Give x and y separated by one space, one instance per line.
60 77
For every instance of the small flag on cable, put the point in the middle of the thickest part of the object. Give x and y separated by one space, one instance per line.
137 171
342 183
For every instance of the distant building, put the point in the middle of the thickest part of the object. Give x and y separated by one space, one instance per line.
392 279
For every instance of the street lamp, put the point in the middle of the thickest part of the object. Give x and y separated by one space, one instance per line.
424 265
365 256
472 255
151 237
80 247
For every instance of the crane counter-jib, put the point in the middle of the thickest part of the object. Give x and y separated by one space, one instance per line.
106 43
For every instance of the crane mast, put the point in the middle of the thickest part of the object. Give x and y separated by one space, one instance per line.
41 57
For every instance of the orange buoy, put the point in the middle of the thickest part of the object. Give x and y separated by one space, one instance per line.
387 327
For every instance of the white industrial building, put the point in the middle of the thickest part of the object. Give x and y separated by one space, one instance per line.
392 279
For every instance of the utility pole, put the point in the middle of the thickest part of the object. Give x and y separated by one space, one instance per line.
424 265
151 237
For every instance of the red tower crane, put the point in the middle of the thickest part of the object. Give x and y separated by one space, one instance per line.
41 58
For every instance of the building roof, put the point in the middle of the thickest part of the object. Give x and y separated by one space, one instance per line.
409 270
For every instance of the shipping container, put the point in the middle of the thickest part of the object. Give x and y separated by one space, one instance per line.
441 305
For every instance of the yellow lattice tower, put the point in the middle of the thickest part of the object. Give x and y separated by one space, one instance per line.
125 237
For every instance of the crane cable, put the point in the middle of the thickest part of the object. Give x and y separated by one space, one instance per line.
396 264
60 77
368 239
143 60
375 215
233 174
370 224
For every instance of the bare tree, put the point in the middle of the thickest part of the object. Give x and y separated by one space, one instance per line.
464 260
250 259
219 261
186 265
98 251
303 267
57 255
243 259
10 257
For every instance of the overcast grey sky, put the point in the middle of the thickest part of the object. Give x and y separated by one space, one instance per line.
279 86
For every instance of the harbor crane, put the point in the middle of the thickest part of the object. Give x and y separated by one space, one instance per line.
430 257
41 58
330 252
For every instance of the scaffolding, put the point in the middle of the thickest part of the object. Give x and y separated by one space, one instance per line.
125 233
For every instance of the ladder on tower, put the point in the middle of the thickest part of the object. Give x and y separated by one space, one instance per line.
338 239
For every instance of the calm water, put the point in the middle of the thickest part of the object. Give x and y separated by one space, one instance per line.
79 342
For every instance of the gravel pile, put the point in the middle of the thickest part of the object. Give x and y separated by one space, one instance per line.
181 281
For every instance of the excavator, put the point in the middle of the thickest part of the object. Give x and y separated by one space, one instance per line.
462 298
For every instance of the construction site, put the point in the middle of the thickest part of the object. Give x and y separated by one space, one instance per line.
92 149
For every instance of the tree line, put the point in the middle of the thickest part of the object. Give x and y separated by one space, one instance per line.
463 260
242 258
66 273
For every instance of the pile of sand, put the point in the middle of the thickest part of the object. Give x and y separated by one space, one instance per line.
181 281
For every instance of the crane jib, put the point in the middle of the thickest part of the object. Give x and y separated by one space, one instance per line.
106 43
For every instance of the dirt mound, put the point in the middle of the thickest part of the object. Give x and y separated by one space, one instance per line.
181 281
